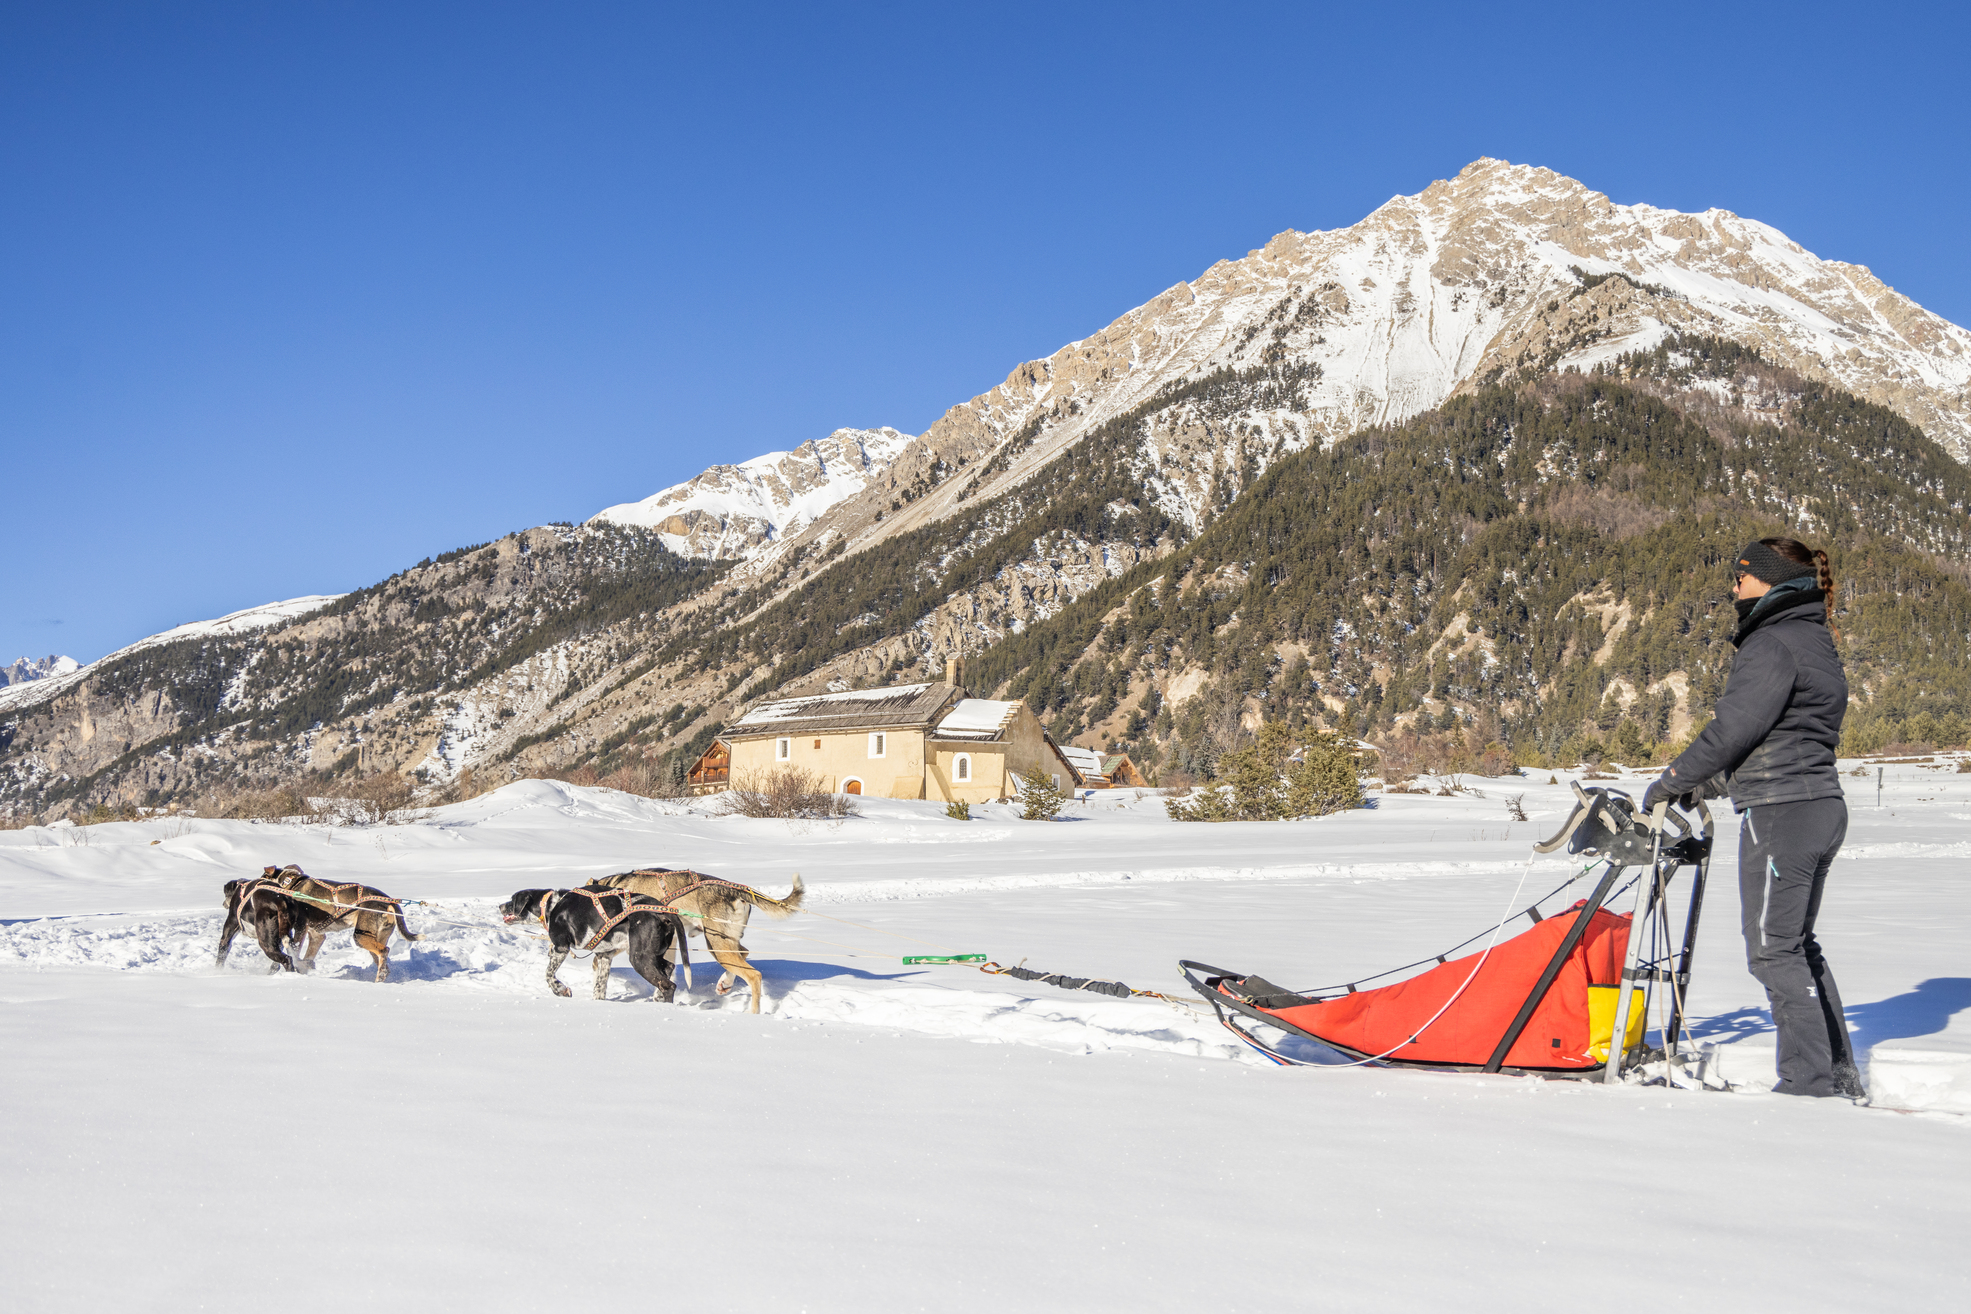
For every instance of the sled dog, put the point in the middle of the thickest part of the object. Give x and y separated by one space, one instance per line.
719 908
329 906
607 922
265 913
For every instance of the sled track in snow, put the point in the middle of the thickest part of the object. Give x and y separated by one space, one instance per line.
504 960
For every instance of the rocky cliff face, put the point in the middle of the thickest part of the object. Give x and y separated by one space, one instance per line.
735 511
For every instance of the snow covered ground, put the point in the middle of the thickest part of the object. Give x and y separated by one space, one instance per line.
887 1137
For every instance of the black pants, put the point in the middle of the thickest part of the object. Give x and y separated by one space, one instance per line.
1784 851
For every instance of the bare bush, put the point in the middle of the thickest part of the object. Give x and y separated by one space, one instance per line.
646 780
383 799
1407 754
1614 514
468 784
280 803
785 792
1516 806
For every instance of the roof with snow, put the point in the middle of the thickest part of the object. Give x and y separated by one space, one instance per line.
855 709
1085 760
977 718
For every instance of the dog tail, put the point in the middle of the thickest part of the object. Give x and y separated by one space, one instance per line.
781 907
682 944
403 929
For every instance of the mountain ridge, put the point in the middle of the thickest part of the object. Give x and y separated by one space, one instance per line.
735 511
1104 459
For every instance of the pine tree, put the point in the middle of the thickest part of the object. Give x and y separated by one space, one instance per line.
1040 798
1329 778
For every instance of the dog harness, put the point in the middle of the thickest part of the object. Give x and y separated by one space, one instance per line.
285 880
609 923
703 881
250 888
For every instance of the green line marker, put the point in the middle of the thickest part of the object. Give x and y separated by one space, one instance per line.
943 958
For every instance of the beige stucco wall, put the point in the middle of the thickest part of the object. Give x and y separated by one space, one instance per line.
843 755
1024 751
988 780
1028 752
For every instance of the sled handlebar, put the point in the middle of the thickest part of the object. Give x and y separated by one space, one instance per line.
1613 821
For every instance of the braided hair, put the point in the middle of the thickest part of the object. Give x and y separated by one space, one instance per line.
1794 550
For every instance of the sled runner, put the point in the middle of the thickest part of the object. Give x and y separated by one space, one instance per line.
1548 1001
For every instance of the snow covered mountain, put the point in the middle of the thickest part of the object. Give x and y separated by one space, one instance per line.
1504 271
36 668
733 511
65 673
871 556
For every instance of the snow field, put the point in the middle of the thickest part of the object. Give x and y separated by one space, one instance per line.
175 1128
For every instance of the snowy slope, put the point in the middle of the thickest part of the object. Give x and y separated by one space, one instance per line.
849 1154
265 616
736 510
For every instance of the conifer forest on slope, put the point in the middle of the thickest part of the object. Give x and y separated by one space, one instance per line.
1540 567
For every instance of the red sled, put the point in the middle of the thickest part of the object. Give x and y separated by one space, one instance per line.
1523 1006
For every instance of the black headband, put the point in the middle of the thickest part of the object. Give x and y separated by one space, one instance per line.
1761 562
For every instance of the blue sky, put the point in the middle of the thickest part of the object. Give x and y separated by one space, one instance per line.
293 295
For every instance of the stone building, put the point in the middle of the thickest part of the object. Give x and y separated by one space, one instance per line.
926 741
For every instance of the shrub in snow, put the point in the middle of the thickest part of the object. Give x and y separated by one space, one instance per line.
785 792
959 812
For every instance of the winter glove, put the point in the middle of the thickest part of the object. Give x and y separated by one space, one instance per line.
1663 790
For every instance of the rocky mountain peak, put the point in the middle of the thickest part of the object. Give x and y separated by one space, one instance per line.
1505 270
736 511
37 668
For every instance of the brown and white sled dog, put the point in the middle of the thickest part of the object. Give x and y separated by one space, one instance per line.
329 906
606 922
267 914
720 910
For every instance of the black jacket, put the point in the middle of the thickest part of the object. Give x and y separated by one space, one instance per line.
1778 722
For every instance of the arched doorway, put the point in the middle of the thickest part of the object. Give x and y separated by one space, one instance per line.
851 786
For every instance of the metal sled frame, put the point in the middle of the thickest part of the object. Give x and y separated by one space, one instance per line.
1649 919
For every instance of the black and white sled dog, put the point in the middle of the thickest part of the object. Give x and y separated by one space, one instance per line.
606 922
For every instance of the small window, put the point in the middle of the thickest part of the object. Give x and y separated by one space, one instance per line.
783 749
878 743
1057 780
817 743
961 767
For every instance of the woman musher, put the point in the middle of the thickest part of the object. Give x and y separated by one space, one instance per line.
1771 745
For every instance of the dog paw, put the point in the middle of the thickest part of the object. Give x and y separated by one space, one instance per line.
563 991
